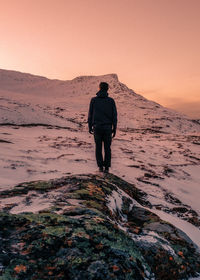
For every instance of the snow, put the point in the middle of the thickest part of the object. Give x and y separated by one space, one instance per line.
115 201
187 189
192 232
195 278
115 205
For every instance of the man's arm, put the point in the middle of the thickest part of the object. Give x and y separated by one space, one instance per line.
90 115
114 117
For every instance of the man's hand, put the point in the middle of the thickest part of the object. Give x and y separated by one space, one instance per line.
91 131
113 133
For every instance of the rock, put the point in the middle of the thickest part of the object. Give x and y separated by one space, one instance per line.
139 216
160 228
82 235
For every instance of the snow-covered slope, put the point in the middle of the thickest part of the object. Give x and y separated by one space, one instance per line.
26 98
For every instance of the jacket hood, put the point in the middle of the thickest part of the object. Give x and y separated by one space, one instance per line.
102 94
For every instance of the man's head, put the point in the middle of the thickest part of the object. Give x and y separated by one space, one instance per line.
103 86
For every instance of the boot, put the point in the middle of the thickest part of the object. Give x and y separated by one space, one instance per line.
100 168
106 170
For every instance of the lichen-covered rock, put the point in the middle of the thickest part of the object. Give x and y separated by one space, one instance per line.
93 228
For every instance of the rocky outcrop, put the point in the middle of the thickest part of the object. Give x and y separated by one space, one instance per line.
89 227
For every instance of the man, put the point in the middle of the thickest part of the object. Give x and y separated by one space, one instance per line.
102 121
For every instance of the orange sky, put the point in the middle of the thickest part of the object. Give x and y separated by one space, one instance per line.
153 45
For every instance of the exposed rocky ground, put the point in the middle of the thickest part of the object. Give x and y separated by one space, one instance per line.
89 227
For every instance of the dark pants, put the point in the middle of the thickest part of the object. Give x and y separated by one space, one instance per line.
103 135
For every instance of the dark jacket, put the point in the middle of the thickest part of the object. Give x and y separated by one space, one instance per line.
102 111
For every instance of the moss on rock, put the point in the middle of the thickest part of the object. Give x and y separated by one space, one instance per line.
80 237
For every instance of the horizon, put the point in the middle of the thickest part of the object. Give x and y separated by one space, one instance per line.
152 47
180 111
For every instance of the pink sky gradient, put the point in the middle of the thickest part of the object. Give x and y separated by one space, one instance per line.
153 45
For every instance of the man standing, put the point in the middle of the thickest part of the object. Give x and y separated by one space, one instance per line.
102 121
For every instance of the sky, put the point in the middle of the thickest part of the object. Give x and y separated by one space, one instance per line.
152 45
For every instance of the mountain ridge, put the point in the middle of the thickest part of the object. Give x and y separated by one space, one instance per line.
39 91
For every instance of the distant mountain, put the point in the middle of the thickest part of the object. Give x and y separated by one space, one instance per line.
27 98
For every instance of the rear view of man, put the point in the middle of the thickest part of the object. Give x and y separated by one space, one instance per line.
102 121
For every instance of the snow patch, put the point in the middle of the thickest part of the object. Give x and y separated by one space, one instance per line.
192 232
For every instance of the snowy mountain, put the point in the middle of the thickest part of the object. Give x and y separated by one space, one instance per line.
44 135
26 98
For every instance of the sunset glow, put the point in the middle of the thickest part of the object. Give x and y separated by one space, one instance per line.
153 45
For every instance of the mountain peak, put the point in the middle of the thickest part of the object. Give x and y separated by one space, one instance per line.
111 76
105 77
